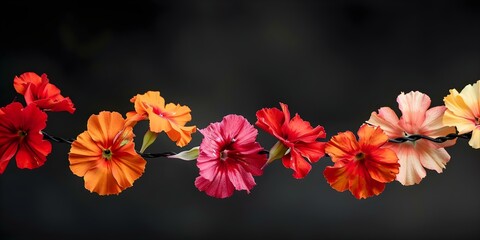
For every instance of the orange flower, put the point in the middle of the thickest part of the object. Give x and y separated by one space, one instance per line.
362 166
170 118
105 155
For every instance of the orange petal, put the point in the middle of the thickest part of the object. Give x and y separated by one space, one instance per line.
371 137
342 146
104 127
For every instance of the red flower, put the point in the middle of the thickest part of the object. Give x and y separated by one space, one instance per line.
362 166
229 157
38 90
20 133
297 139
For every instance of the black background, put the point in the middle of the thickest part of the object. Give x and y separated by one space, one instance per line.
333 62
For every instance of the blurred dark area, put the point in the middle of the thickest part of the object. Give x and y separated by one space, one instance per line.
333 62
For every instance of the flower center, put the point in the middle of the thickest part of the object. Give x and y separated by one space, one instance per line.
360 156
224 155
107 154
22 133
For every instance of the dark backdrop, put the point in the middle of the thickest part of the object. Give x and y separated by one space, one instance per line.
334 62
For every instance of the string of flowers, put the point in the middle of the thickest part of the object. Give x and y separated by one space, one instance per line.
389 148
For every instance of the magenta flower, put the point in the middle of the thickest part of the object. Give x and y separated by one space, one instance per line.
229 157
416 118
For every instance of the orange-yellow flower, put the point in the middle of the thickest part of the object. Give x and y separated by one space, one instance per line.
463 111
170 118
105 155
364 166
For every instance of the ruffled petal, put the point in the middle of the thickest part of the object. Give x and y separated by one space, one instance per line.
342 146
241 179
382 165
297 163
463 125
413 106
456 104
337 176
471 96
360 183
371 137
219 187
271 121
298 130
411 170
101 180
431 156
388 121
475 139
312 151
104 127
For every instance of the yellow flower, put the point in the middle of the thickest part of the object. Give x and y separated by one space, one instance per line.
463 111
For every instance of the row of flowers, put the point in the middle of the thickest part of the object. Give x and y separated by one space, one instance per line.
229 156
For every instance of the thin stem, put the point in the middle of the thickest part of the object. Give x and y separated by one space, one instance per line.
411 138
415 137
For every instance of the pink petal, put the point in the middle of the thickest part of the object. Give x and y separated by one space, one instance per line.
413 106
431 156
219 187
388 121
241 179
411 170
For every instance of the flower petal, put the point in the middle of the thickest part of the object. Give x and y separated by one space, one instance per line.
475 139
456 104
361 184
388 121
371 137
271 121
471 96
241 179
431 156
312 151
104 127
219 187
413 106
382 165
100 180
297 163
337 176
342 146
299 130
463 125
411 170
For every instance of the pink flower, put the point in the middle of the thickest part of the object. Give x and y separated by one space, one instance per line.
229 157
416 118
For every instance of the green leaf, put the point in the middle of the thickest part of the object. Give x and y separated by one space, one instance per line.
188 155
277 151
148 139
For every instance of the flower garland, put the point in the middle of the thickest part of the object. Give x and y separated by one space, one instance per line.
388 147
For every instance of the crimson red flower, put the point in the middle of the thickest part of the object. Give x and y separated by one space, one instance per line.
20 134
38 90
297 139
229 157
